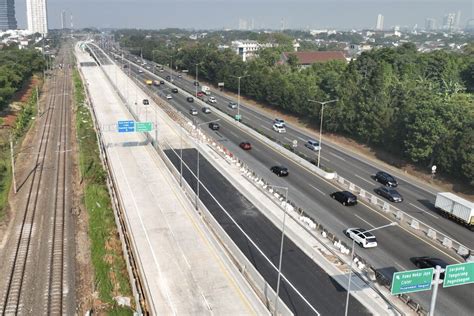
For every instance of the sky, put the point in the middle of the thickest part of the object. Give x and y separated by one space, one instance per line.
219 14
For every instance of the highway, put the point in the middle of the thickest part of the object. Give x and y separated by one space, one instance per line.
396 245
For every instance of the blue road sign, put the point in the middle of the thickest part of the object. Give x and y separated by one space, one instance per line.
126 126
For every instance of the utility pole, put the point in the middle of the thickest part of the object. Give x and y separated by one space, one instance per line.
13 163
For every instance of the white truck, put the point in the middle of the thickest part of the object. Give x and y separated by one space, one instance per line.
206 90
456 208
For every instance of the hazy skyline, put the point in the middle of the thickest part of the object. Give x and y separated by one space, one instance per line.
218 14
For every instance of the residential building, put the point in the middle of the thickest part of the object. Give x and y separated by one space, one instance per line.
7 15
306 59
37 16
379 25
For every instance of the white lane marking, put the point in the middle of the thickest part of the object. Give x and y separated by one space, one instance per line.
323 158
364 179
302 139
428 213
337 156
290 140
317 189
364 221
401 266
265 128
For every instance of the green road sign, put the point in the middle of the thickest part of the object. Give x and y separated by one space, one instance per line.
143 126
412 281
459 274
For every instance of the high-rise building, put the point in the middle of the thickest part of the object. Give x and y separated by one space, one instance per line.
37 16
430 24
379 25
449 21
458 20
63 20
7 15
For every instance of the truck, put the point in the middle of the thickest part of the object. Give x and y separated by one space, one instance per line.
456 208
206 90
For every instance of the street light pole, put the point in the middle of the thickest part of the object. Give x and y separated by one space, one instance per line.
195 84
321 124
197 172
238 92
352 260
12 156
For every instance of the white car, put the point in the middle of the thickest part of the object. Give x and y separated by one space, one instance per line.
212 100
169 96
279 121
279 128
361 237
193 112
232 105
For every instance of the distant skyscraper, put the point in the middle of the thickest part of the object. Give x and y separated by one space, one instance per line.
243 24
458 20
37 16
430 24
63 19
379 25
7 15
449 21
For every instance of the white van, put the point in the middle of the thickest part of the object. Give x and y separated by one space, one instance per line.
280 128
313 145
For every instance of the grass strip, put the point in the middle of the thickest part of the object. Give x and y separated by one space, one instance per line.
111 277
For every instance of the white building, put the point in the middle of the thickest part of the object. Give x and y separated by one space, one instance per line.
37 16
247 48
379 25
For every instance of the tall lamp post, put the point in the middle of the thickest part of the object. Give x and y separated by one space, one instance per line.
321 124
281 245
197 172
352 260
238 93
196 83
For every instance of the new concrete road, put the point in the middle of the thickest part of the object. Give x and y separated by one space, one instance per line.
396 245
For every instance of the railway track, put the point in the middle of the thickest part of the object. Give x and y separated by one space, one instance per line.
24 270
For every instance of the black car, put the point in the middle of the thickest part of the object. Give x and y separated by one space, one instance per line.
168 78
385 179
280 171
429 262
214 126
162 82
345 197
196 83
390 194
190 99
146 102
174 90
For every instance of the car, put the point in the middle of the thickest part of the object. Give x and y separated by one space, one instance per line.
125 66
196 83
161 70
245 145
313 145
190 99
429 262
390 194
146 102
214 126
147 67
169 96
279 121
232 105
385 179
280 171
344 197
279 128
361 237
193 112
140 71
200 94
180 76
212 100
206 110
174 90
162 82
168 78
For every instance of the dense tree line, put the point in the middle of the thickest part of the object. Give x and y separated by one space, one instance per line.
418 106
16 66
